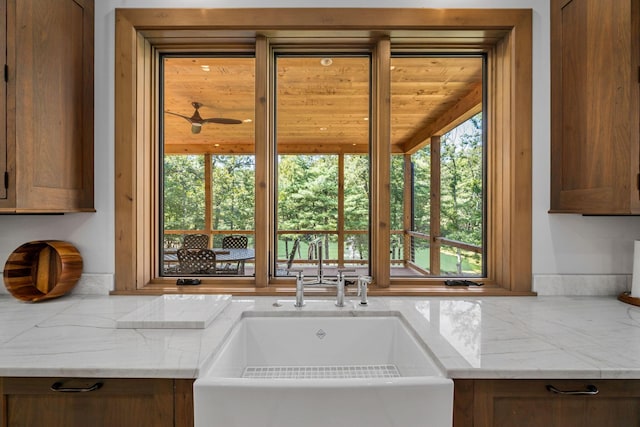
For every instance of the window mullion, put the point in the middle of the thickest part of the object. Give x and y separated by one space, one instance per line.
381 164
434 212
264 165
208 198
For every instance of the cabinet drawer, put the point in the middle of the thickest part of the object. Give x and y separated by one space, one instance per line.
88 401
561 403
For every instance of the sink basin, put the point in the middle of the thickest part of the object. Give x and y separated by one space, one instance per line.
323 370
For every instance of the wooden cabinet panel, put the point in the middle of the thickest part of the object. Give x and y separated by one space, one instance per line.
595 114
118 402
3 105
49 105
528 403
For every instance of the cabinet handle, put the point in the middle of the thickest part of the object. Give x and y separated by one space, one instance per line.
57 386
590 391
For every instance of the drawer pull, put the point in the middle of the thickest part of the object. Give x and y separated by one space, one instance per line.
58 386
590 391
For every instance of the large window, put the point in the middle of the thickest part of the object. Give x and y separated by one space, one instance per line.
405 155
207 205
438 179
322 107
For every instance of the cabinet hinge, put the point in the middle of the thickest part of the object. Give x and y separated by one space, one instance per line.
6 73
6 180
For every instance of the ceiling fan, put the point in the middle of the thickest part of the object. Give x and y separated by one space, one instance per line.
197 121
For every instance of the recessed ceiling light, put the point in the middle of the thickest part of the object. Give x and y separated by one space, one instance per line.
205 68
393 67
216 145
323 128
366 119
247 121
325 62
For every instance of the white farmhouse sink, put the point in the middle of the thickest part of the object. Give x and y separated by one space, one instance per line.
323 371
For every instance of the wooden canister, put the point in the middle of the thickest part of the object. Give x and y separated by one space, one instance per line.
42 270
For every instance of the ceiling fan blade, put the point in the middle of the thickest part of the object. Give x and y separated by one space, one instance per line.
223 121
187 118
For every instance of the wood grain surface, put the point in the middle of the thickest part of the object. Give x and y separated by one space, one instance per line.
41 270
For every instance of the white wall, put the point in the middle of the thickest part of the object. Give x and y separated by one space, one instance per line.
562 244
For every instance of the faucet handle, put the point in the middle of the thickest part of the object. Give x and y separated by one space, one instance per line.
342 271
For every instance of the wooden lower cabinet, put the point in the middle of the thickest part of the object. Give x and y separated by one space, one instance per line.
34 402
531 403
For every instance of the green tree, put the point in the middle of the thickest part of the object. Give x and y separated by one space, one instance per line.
397 205
233 192
307 192
357 195
183 194
462 173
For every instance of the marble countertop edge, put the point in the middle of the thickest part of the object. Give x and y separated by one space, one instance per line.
470 338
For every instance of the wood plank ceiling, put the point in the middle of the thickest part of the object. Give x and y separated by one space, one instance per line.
322 103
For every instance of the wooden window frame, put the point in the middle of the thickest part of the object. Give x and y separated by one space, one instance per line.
503 34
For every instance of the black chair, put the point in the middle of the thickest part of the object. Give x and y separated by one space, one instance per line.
195 241
235 242
196 261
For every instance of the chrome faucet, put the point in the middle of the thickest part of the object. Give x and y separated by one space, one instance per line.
325 283
363 282
321 281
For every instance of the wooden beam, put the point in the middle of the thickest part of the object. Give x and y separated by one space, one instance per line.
380 265
464 109
289 148
264 165
209 149
434 212
407 214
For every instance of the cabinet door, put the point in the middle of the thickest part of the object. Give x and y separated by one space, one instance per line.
3 102
529 403
117 402
50 56
594 106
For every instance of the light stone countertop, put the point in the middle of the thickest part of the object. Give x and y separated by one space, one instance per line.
489 337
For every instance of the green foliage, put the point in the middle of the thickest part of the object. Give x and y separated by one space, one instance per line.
233 192
307 192
184 192
421 162
462 176
356 204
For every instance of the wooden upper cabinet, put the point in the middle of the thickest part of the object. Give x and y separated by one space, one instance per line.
49 106
595 114
3 106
